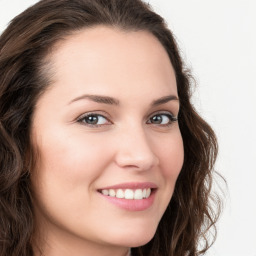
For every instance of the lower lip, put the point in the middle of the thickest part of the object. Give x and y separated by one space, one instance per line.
132 204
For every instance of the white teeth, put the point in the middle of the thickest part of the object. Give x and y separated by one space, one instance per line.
148 193
104 192
120 193
144 193
129 194
136 194
112 193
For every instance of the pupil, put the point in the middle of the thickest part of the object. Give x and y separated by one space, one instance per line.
92 119
156 120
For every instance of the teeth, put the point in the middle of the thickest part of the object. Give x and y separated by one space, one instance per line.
144 193
120 193
112 193
136 194
128 194
148 192
104 192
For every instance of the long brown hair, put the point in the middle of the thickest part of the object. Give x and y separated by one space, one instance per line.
24 75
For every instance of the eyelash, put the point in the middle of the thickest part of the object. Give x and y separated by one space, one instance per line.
88 115
170 116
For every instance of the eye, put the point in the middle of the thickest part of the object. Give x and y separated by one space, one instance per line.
163 119
92 119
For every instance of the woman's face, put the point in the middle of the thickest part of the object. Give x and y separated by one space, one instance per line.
106 129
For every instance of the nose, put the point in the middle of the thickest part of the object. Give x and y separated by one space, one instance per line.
135 151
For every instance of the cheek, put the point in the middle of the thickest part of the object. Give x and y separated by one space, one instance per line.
65 174
171 156
170 152
72 158
66 170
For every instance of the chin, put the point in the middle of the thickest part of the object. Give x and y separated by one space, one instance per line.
135 238
140 241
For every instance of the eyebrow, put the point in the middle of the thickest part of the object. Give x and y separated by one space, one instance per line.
164 100
98 99
112 101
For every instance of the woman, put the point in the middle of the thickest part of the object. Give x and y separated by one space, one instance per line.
101 149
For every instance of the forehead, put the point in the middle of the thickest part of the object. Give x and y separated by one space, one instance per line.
113 57
112 39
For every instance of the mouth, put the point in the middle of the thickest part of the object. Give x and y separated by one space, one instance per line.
130 196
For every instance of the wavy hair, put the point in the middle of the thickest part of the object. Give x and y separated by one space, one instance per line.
24 47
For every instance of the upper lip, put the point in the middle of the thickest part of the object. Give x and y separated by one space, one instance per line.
132 185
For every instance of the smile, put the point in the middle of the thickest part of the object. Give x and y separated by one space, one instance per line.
130 194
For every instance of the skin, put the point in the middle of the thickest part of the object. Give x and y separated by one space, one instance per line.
77 159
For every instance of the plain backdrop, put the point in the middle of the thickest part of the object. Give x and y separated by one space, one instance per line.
218 42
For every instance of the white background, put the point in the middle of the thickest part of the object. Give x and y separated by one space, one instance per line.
218 42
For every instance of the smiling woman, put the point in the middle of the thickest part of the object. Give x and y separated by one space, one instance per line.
101 151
